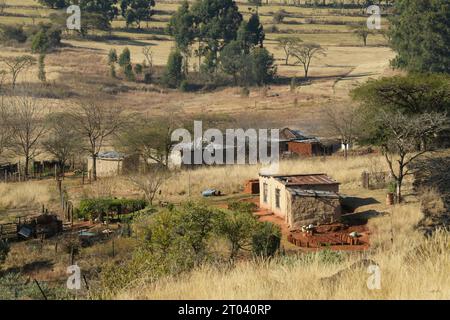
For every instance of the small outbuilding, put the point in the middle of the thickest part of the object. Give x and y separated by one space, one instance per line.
301 199
112 163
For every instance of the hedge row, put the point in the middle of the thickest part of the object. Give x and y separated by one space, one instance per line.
97 208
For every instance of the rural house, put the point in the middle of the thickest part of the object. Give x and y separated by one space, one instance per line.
112 163
296 142
301 199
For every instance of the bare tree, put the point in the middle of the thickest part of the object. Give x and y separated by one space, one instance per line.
25 119
5 129
304 53
148 54
287 44
3 75
95 124
151 183
17 64
62 141
403 141
341 121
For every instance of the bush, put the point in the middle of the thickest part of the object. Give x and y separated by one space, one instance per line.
184 86
245 92
279 16
12 33
97 208
242 206
4 250
266 240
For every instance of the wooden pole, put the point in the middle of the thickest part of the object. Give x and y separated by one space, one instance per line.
40 289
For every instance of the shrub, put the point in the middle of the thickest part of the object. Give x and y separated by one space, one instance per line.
242 206
128 71
245 92
184 86
97 208
279 16
148 77
4 250
125 58
266 240
12 33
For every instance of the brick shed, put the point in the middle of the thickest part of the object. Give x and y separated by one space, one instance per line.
251 186
300 198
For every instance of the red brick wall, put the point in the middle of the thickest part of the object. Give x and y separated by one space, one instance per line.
302 149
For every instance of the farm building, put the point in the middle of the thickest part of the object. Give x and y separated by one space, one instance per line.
301 199
296 142
111 163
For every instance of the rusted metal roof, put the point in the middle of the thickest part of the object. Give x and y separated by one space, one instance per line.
305 179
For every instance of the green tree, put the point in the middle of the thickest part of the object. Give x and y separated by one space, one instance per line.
39 43
263 66
181 27
216 23
403 115
112 56
125 58
105 8
41 73
266 240
136 11
420 34
232 59
237 227
55 4
174 73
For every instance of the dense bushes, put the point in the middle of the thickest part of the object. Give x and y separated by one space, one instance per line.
176 240
41 37
97 208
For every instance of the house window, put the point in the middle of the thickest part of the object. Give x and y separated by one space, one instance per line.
277 198
265 192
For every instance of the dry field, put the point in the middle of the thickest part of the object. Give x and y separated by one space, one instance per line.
81 67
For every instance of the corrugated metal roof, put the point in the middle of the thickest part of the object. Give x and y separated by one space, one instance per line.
313 193
305 179
110 155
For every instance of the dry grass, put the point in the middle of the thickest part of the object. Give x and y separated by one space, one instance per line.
411 268
24 194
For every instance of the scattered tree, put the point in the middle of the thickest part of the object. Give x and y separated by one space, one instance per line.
304 53
95 123
62 141
362 32
17 64
174 73
136 11
151 182
26 122
287 44
342 122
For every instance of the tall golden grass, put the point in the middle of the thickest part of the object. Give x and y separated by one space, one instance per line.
412 267
24 194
